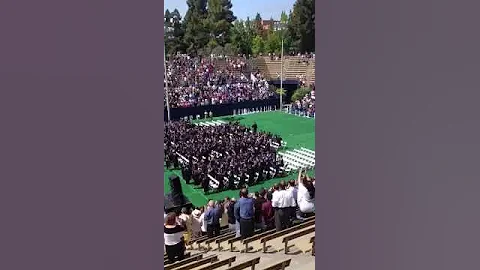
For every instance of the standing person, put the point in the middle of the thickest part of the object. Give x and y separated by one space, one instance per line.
254 127
279 204
196 224
212 218
259 200
289 204
291 194
244 213
187 220
306 196
231 215
173 237
224 219
268 213
203 224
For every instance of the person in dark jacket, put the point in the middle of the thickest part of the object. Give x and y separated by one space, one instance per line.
231 215
259 200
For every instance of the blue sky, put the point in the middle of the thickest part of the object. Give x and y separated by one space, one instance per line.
243 8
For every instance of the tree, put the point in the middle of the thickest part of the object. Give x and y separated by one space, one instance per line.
258 45
281 91
219 20
302 25
241 37
174 32
196 31
258 25
300 93
273 42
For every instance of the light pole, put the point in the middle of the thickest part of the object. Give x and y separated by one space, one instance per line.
282 29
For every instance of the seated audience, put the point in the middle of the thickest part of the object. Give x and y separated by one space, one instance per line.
231 154
198 82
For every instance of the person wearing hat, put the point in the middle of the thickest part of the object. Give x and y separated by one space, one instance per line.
196 224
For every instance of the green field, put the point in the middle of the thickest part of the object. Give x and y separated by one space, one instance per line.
295 130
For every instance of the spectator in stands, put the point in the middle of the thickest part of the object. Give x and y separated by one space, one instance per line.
259 200
306 195
231 215
196 82
292 190
203 222
196 224
306 105
224 218
173 237
187 224
244 214
268 213
212 218
290 204
280 203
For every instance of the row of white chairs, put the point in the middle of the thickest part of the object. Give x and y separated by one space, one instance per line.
211 123
296 159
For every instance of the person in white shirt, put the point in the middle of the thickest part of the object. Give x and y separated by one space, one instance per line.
173 237
187 222
280 204
203 224
292 198
306 196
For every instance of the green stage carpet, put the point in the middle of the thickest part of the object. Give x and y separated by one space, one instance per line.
295 130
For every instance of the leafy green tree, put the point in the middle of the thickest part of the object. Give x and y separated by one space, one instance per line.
300 93
242 36
273 42
258 45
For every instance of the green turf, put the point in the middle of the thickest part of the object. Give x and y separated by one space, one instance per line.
295 130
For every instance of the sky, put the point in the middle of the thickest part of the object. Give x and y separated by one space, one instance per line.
243 8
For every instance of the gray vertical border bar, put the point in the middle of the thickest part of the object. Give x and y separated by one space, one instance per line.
81 130
397 134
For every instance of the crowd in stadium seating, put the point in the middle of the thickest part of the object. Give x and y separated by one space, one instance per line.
305 106
231 154
202 81
274 208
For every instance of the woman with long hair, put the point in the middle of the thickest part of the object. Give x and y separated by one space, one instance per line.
173 236
187 224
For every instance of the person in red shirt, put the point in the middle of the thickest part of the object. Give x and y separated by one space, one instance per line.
268 213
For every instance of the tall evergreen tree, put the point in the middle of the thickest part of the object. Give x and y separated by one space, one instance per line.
196 32
174 32
219 21
258 25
